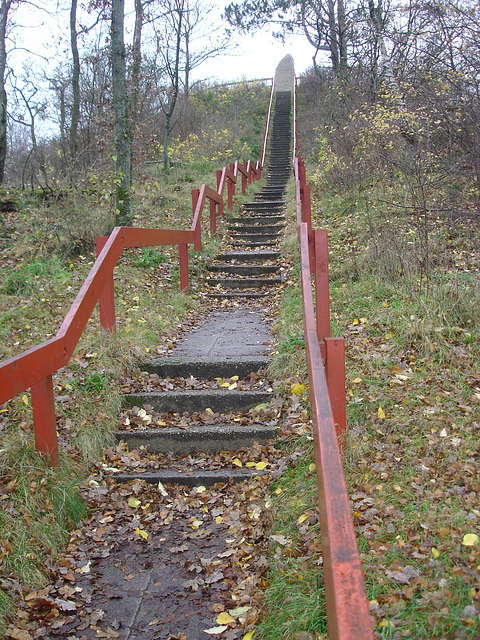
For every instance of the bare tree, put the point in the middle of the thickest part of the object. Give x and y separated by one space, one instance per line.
122 124
4 9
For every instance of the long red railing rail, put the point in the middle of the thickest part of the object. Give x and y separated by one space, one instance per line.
33 369
348 615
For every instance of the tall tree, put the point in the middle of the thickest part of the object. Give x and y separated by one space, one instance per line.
123 213
4 9
75 81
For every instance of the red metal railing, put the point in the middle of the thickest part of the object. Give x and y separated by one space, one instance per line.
348 615
34 368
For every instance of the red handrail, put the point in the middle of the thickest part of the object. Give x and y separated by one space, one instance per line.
348 615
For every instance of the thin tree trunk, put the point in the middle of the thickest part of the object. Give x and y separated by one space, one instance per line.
175 78
137 63
123 212
73 145
4 9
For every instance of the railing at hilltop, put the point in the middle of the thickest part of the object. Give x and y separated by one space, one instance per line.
33 369
348 615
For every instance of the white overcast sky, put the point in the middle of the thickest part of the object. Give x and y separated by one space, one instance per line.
255 56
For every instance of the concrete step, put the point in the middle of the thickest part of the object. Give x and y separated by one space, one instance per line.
243 283
206 438
248 256
194 478
205 368
255 237
190 401
260 219
262 229
233 295
245 269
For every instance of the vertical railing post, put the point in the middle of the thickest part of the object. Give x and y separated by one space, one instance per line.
44 419
335 374
213 217
198 229
183 255
219 178
230 193
307 217
322 288
106 301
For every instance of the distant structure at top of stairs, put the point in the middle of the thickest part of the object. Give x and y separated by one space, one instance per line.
285 74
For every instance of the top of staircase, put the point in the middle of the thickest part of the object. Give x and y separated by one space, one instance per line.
285 74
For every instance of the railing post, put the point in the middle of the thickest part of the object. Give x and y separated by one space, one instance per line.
230 193
106 301
307 217
335 374
183 254
219 178
44 419
213 217
322 288
244 180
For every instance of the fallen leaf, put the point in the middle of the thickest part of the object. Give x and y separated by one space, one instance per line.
303 517
215 631
298 389
142 533
469 539
381 413
134 503
237 462
224 618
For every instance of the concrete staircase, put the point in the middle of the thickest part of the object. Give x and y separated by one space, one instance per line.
225 358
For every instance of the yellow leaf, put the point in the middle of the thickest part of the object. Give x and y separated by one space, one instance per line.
142 533
381 413
161 423
261 465
363 320
134 503
226 385
234 378
248 635
224 618
388 336
397 487
355 321
209 411
219 381
25 399
219 519
250 464
356 380
435 552
237 462
469 539
196 523
312 467
298 389
278 490
303 517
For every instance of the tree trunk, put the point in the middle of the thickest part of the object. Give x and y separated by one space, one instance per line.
175 81
136 64
123 213
4 8
73 145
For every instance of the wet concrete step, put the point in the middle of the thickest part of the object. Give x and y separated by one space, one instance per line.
207 438
194 478
232 295
261 229
189 401
255 237
253 245
248 256
205 367
276 219
243 283
245 269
